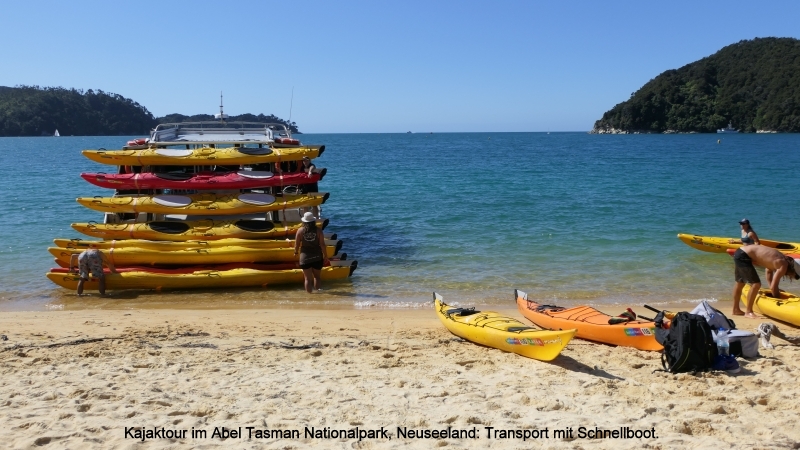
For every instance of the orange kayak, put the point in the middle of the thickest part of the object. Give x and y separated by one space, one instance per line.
591 324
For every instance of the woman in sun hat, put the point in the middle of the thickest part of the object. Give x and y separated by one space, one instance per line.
749 236
310 243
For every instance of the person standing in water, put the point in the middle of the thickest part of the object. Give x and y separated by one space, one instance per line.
310 243
749 236
92 260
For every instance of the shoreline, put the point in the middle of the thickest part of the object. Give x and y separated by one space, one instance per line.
79 379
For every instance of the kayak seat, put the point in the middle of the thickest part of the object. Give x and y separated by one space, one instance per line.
516 329
783 246
461 311
255 225
169 227
553 308
176 176
255 151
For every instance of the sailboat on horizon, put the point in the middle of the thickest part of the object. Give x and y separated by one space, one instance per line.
56 133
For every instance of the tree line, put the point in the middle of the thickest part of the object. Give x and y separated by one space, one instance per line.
753 84
39 111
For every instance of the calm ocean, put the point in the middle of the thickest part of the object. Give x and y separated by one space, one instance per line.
567 217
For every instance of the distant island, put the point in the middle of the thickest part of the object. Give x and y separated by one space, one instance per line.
39 111
753 85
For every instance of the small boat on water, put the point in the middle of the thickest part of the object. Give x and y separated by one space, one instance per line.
215 201
56 133
715 244
728 129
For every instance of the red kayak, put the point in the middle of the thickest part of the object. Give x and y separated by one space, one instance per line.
243 179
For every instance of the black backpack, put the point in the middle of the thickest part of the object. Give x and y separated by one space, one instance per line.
688 343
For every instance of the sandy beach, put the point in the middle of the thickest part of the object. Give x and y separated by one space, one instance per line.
100 379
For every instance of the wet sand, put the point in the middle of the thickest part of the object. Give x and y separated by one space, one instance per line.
81 379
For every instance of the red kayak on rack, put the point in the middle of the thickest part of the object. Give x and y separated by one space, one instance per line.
242 179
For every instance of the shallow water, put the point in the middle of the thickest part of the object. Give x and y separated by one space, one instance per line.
567 217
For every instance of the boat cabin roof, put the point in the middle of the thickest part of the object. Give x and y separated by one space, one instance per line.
222 132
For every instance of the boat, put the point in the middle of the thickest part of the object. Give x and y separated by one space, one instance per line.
241 179
201 278
137 256
591 324
179 230
501 332
728 129
168 246
56 134
786 308
210 204
722 244
214 201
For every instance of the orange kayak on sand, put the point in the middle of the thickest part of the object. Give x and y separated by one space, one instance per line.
592 325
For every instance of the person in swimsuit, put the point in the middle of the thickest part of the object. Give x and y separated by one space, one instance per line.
310 243
92 260
749 236
777 265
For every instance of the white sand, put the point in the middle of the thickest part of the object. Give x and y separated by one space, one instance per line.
78 379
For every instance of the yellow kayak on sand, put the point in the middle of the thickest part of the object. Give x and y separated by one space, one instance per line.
168 246
200 279
202 156
785 309
207 229
721 244
205 204
501 332
133 256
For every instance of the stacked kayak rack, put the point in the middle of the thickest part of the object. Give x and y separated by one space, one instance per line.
202 205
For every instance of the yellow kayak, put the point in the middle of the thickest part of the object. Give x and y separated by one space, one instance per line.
168 246
505 333
174 230
202 156
785 309
133 256
199 279
721 244
205 204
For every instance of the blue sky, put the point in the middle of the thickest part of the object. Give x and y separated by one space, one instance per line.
376 66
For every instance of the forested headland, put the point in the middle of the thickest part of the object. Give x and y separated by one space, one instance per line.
753 84
39 111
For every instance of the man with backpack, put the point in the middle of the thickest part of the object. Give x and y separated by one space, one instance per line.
777 266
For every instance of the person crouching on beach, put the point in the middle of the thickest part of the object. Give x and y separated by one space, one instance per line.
310 242
749 236
92 260
777 265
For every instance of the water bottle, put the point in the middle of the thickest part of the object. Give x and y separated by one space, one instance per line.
723 346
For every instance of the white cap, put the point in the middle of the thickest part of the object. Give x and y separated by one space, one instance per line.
308 217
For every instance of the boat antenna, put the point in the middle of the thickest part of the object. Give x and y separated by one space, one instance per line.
221 116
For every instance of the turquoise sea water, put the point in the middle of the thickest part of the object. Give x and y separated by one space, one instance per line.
566 217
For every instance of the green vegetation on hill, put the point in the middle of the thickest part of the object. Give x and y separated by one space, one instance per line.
37 111
753 84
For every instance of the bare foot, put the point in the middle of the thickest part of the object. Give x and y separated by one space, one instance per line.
738 313
751 316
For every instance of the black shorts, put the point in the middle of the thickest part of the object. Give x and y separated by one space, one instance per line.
745 272
317 265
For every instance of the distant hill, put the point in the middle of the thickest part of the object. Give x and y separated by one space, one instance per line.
38 111
755 85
